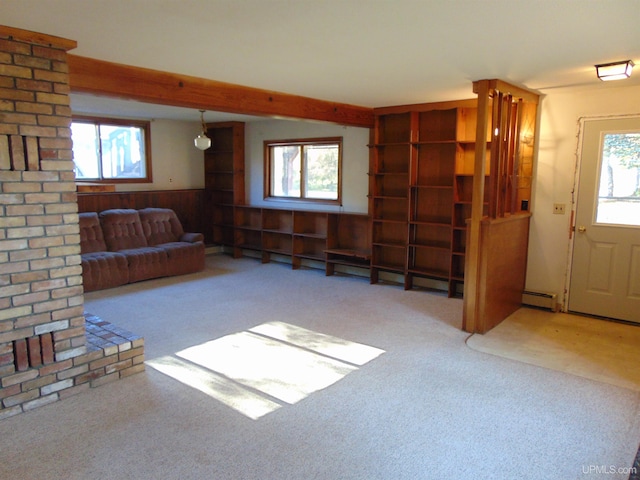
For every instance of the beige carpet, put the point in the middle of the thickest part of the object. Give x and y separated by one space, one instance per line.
259 372
600 350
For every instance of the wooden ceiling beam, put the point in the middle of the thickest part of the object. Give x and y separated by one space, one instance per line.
98 77
37 38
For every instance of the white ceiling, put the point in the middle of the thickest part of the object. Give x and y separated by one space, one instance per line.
363 52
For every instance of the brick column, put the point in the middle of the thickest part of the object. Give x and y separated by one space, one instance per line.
42 325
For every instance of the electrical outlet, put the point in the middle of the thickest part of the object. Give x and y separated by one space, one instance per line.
558 208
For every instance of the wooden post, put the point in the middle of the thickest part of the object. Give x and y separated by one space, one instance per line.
470 303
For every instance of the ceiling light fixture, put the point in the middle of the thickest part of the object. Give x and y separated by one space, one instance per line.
615 70
202 142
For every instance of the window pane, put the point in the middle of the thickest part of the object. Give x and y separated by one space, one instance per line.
619 188
285 165
122 152
322 171
85 150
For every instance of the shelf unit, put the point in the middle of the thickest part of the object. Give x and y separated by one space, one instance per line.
389 169
247 229
310 233
463 190
348 241
421 181
431 187
224 180
331 238
277 230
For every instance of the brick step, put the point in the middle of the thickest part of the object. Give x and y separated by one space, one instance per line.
112 352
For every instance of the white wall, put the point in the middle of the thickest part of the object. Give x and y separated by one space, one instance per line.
176 163
355 161
561 110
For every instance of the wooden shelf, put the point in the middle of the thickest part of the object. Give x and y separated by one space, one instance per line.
419 214
388 233
311 224
392 159
394 185
348 241
437 125
223 215
303 235
359 254
437 246
223 176
247 217
309 247
277 220
94 187
390 209
393 128
435 164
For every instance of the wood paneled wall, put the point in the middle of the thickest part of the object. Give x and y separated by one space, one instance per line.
503 268
188 204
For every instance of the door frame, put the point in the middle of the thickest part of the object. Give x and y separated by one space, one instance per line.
576 191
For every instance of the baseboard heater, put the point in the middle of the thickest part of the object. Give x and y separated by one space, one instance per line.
541 300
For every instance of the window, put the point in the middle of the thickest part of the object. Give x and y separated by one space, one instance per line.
619 188
308 170
111 150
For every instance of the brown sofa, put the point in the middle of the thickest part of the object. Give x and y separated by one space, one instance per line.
122 246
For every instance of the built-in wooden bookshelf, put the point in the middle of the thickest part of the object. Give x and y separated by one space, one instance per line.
389 192
277 231
424 223
421 180
463 190
310 234
247 227
348 241
224 179
431 191
336 238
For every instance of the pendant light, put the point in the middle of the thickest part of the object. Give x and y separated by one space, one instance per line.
202 142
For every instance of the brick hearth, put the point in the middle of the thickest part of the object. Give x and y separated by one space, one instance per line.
112 353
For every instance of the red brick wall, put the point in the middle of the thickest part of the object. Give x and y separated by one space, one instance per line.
42 325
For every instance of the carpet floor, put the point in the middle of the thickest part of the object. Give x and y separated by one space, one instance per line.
257 371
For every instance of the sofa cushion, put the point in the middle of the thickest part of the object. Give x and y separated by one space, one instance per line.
183 257
160 225
192 237
104 270
122 229
91 237
146 263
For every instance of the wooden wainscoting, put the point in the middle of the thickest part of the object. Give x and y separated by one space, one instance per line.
188 205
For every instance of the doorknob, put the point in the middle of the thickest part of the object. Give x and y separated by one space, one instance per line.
582 229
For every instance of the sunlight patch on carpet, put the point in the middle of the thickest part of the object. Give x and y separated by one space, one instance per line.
259 370
216 386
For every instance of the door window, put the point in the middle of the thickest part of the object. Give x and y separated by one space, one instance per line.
618 200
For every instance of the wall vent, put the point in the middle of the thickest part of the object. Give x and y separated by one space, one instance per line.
541 300
19 153
33 351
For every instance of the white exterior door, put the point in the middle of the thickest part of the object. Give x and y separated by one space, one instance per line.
605 268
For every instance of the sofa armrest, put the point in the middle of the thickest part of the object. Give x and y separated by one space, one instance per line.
192 237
